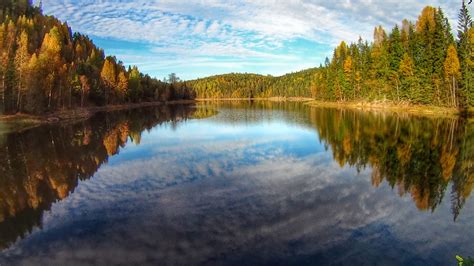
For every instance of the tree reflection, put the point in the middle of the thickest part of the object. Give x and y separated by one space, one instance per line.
43 165
419 156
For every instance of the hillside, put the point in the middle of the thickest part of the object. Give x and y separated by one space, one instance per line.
46 67
236 85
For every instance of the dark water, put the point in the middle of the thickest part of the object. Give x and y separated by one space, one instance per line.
238 184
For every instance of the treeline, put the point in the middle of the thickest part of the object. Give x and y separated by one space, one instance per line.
45 67
417 63
420 63
236 85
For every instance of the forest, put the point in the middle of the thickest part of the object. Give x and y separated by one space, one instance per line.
415 63
45 67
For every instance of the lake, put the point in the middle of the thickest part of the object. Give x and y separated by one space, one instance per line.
238 183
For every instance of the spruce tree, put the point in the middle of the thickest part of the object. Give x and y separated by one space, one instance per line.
464 50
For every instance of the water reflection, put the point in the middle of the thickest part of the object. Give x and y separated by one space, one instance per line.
44 165
418 155
241 183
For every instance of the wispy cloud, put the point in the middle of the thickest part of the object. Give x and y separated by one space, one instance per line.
286 34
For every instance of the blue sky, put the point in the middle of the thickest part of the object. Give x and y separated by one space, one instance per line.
197 38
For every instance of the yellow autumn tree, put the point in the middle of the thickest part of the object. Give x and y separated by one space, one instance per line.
22 59
452 72
348 66
122 85
79 50
50 60
35 95
108 77
341 51
379 35
406 66
85 88
426 21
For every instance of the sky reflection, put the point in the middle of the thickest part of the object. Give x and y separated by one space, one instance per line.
217 191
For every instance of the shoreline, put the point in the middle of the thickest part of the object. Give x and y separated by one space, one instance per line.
380 106
409 109
21 121
272 99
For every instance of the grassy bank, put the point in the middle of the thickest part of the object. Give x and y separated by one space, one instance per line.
420 110
273 99
20 122
382 106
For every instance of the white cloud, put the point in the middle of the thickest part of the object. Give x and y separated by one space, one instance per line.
246 28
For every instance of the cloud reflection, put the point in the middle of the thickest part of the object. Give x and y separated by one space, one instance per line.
254 197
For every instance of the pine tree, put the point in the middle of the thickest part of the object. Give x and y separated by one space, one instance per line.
396 50
464 47
468 71
134 84
348 72
442 38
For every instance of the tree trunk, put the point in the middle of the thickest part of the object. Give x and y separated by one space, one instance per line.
49 99
82 97
398 93
2 107
18 100
454 91
61 102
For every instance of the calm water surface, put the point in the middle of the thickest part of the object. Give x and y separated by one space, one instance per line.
238 183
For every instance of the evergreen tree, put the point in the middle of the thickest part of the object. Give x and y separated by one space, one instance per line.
134 84
465 47
396 50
